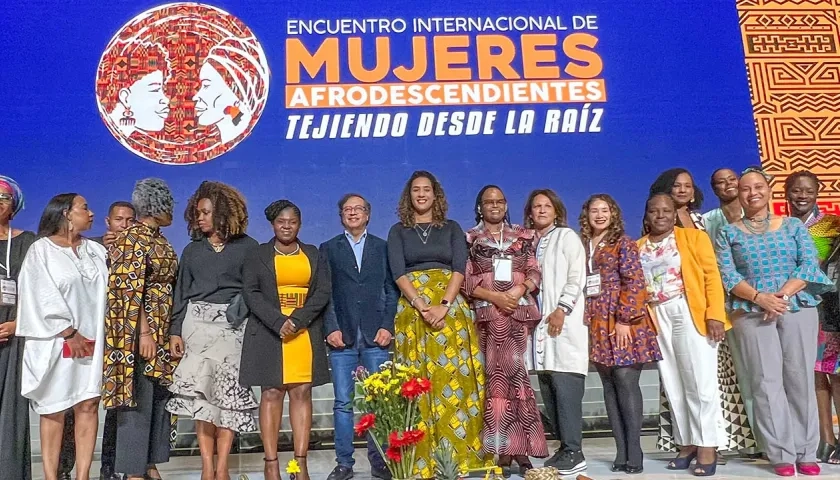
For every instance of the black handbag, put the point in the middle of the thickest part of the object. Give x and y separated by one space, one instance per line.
829 309
237 312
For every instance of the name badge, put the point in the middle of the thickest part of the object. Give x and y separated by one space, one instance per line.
502 269
593 285
8 292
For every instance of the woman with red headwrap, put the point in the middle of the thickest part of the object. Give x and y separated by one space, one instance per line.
14 423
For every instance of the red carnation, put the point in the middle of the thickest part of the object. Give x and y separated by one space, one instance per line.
411 389
394 453
425 385
365 423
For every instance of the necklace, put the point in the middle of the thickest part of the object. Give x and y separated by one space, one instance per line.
423 233
757 225
297 249
217 247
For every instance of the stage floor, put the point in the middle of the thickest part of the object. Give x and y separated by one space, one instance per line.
599 455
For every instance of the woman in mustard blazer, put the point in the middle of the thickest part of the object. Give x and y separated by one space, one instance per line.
688 305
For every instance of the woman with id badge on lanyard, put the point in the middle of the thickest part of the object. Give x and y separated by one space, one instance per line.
622 337
502 274
14 423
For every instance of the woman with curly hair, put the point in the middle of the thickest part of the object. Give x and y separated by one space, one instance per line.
287 288
680 185
622 338
138 365
559 347
501 278
687 302
207 330
435 328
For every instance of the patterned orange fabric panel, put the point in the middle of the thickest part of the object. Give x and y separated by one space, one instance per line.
793 64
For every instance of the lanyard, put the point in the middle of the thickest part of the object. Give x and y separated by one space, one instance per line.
8 266
591 259
500 244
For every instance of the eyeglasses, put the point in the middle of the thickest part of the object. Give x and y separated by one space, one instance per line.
5 198
356 209
490 203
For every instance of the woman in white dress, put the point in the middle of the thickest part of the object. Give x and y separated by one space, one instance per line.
560 345
61 314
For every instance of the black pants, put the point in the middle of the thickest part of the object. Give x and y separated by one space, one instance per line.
562 395
67 457
143 432
623 399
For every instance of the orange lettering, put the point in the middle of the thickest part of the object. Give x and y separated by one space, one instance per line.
298 56
445 60
592 63
533 56
356 63
501 61
421 61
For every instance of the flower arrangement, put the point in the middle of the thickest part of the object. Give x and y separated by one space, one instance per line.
388 399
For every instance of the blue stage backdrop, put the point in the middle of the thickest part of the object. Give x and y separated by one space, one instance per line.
309 100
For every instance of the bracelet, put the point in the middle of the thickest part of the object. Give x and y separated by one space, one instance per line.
755 297
146 334
413 300
71 334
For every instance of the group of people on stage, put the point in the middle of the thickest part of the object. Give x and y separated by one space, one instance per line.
734 306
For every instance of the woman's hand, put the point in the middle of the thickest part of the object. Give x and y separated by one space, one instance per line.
517 292
7 330
420 304
504 302
555 321
148 347
435 316
176 346
772 305
80 347
623 338
715 331
288 328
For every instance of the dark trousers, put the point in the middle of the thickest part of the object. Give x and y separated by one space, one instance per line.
143 431
562 395
67 457
623 399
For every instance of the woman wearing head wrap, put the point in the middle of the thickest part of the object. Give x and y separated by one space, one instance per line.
138 366
14 423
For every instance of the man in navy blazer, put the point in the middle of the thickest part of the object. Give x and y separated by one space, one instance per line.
359 322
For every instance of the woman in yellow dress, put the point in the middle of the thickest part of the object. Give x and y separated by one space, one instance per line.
286 289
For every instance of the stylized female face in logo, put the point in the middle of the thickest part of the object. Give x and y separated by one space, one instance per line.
213 97
147 101
182 83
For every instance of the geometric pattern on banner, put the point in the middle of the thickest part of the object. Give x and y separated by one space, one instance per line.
793 67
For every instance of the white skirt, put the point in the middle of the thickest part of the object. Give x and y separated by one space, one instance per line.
206 383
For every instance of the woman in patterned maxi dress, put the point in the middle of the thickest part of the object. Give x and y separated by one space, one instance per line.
506 314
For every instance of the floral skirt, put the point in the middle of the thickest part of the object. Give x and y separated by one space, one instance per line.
452 360
206 385
828 351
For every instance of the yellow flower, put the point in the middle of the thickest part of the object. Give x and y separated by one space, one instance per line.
292 467
368 398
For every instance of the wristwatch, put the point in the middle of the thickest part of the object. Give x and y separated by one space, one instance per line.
445 302
565 309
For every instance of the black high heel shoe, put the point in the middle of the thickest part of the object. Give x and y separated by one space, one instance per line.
524 464
825 451
618 467
631 470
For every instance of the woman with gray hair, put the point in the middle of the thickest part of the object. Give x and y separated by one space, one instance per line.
138 366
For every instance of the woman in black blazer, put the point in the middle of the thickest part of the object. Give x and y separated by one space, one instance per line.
287 288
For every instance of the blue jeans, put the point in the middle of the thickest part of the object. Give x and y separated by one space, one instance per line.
343 362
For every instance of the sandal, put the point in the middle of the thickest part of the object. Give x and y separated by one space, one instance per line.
524 464
505 462
149 471
270 462
824 452
834 458
701 470
682 463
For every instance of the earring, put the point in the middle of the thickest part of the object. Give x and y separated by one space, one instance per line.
234 112
127 119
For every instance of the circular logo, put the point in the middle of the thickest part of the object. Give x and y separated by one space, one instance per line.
182 83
